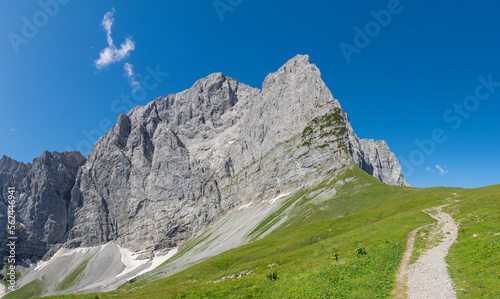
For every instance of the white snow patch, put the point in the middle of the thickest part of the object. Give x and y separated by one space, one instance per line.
279 196
41 265
158 260
230 142
245 206
128 258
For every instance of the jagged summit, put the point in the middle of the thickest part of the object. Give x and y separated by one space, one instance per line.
168 168
210 79
298 62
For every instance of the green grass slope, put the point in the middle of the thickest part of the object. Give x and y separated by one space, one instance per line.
474 261
348 245
30 290
71 279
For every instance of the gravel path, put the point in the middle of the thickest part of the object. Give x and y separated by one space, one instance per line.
428 278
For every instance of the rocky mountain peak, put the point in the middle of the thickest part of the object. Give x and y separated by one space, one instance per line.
210 82
297 64
299 68
167 169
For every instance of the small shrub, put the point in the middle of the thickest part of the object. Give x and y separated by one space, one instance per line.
336 256
273 275
361 250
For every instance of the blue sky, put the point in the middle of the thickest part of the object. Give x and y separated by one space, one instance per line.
418 70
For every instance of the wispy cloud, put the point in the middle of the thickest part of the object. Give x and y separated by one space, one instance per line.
112 54
12 129
133 79
442 170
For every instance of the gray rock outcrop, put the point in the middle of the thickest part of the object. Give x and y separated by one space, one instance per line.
43 190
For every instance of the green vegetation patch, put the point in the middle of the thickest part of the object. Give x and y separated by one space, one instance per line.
325 125
424 240
73 278
30 290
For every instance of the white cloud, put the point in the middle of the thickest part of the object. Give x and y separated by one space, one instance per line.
12 129
132 78
442 170
111 54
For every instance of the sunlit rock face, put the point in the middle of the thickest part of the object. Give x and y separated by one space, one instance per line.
167 169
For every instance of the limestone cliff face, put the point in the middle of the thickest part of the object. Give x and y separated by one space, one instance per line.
43 194
167 169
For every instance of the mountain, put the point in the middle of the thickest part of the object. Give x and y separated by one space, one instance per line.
168 169
43 195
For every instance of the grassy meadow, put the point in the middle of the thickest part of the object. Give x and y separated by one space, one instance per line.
346 246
